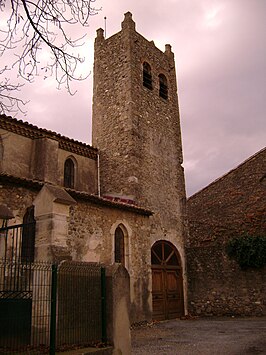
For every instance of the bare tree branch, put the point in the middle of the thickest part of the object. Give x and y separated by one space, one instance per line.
34 28
8 101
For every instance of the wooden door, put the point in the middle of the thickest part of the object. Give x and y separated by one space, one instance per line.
174 296
158 297
167 283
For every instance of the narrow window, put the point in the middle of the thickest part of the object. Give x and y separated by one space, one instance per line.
163 91
147 78
28 236
69 170
119 246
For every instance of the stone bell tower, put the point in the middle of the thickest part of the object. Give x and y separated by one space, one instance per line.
137 129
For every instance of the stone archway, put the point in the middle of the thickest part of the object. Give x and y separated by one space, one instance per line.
167 281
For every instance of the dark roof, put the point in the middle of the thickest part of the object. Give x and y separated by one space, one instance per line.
23 182
106 202
78 195
30 131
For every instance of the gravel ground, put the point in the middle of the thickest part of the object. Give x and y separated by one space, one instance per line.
202 336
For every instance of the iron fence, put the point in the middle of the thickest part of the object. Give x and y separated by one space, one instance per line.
17 242
78 304
47 307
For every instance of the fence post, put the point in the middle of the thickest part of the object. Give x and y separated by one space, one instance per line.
118 306
103 296
53 310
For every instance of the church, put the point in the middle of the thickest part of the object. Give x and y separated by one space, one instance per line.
121 200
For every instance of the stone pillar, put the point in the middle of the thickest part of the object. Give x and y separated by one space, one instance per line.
51 215
118 307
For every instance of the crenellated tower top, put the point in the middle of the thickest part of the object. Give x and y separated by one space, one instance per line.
136 120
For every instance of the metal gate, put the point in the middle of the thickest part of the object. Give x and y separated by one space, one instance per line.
17 242
46 307
16 252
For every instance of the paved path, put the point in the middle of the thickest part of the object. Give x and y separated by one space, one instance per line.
219 336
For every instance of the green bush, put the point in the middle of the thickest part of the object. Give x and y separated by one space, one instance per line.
248 251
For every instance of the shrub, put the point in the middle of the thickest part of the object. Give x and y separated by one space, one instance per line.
248 251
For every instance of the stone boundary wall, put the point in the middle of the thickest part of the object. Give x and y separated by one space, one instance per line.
232 206
218 287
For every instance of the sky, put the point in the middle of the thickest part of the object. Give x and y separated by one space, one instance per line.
220 55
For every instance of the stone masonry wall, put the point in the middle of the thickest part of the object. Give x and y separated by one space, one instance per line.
13 160
137 132
85 171
91 238
33 161
232 206
17 199
217 286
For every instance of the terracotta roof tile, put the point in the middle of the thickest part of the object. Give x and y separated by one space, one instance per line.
30 131
37 185
106 202
24 182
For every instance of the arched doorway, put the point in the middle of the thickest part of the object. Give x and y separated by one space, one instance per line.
167 281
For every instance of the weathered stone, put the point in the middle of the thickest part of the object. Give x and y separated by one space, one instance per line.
137 162
229 207
138 132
